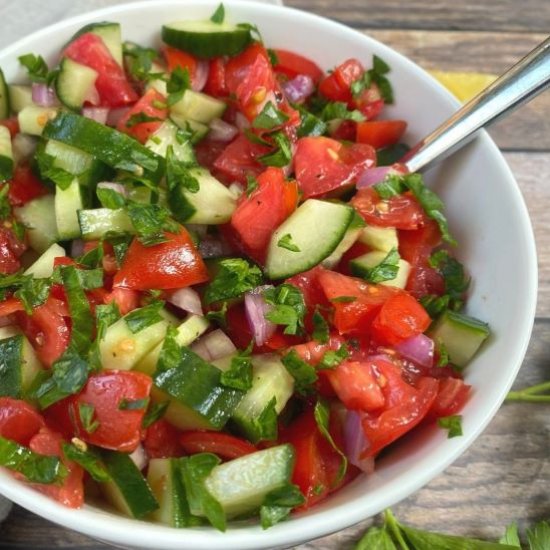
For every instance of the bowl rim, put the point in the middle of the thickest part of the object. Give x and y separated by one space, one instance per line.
124 531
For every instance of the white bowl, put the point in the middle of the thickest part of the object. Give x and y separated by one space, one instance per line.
487 215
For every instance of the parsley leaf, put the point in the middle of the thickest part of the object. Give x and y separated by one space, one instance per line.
139 61
390 186
89 460
179 81
239 375
144 317
451 423
377 76
289 307
133 404
278 504
251 185
320 328
282 155
155 412
269 118
177 173
339 110
286 242
434 304
386 270
456 282
140 118
235 277
331 358
150 222
310 125
303 373
109 198
86 414
343 299
5 206
37 68
219 15
264 427
218 316
48 170
33 292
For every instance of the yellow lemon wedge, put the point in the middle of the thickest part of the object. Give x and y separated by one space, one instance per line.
464 86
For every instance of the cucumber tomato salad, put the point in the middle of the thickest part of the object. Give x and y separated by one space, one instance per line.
220 295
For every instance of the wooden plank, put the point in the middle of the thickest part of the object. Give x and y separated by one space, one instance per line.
491 485
487 15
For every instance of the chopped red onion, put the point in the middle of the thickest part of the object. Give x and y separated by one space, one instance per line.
99 114
418 349
299 88
187 299
200 229
201 76
372 176
356 443
256 309
43 96
210 247
139 457
77 248
214 345
24 147
115 115
92 96
222 131
241 122
114 186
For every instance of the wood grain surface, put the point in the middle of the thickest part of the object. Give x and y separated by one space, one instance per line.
505 475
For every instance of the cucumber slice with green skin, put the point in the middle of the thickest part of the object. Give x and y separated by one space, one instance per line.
6 155
68 202
4 97
212 204
33 119
352 234
198 107
197 129
166 136
19 365
195 386
43 267
128 491
96 223
206 39
20 97
73 83
241 485
270 380
379 238
110 33
37 216
110 146
164 478
461 335
316 228
193 327
361 266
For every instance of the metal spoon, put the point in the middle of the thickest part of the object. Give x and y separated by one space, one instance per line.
521 83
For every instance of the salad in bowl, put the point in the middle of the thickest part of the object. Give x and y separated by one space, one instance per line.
222 297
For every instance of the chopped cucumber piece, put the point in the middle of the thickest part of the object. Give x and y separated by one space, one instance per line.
193 327
41 226
43 267
69 158
110 34
128 491
198 107
19 365
68 202
316 228
6 155
352 234
361 266
20 97
166 136
241 485
212 204
379 238
95 223
206 39
33 119
461 335
271 381
73 83
4 97
198 130
158 84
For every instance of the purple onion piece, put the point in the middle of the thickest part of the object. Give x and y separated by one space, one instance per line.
418 349
201 76
114 186
115 115
214 345
187 299
256 309
99 114
356 443
43 96
299 88
222 131
77 248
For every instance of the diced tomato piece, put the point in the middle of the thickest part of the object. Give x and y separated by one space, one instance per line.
10 305
258 215
11 249
292 64
323 165
118 427
400 211
18 420
380 133
451 397
178 58
250 78
162 440
344 131
239 160
12 124
222 444
406 406
175 263
71 490
312 352
59 418
125 298
355 302
337 85
47 329
356 385
401 317
215 83
370 102
25 186
152 105
113 87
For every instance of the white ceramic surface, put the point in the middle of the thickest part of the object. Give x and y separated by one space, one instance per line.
487 215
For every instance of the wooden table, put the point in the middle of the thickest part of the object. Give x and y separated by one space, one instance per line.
505 475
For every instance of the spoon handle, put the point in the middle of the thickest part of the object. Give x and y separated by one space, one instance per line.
525 80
